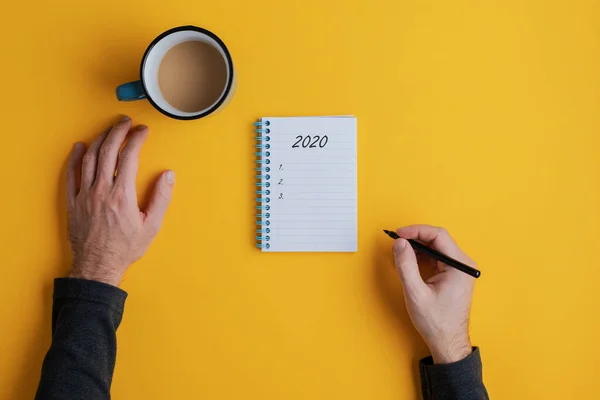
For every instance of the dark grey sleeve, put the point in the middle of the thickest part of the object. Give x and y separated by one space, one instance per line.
461 380
81 359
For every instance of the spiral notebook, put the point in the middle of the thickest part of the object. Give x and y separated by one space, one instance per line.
306 184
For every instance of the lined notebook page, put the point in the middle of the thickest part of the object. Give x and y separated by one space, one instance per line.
312 191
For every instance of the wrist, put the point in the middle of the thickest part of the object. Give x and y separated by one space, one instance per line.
95 274
449 351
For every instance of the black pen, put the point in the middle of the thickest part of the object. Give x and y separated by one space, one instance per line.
451 262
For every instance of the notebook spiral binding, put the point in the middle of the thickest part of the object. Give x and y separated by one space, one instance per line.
263 161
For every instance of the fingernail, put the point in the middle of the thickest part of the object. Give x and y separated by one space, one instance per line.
77 145
170 177
140 128
125 118
401 243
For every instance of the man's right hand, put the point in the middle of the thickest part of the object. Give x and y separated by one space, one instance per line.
440 306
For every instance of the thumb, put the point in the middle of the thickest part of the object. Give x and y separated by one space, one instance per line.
161 197
407 267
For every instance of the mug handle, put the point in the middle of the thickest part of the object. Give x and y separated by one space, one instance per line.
131 91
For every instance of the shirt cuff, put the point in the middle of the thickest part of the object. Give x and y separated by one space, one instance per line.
452 377
97 292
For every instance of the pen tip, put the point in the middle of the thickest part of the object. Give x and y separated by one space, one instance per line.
391 234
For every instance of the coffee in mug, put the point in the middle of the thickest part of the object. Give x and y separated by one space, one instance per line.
186 73
192 76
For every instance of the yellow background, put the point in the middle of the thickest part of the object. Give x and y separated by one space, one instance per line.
481 116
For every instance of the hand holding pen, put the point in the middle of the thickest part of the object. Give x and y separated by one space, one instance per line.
448 261
439 307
